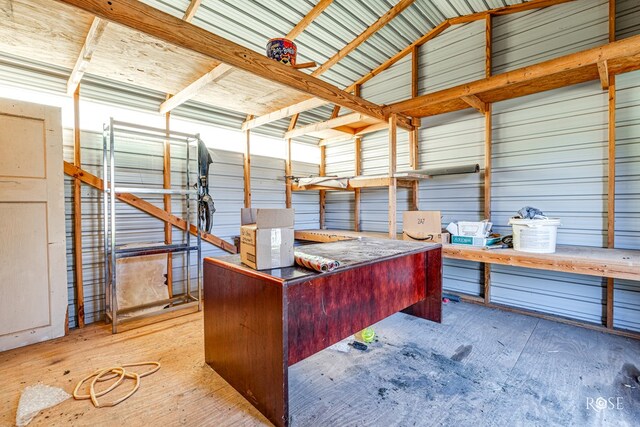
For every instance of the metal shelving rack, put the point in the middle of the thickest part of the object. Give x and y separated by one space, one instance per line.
113 252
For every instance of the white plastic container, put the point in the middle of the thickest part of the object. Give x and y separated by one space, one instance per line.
535 235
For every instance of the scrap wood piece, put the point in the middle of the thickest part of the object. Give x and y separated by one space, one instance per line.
147 207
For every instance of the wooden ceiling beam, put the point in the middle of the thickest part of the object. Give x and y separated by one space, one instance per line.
621 56
220 71
300 107
353 44
191 10
86 53
433 33
329 124
308 19
194 88
163 26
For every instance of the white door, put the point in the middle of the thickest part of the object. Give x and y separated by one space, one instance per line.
33 266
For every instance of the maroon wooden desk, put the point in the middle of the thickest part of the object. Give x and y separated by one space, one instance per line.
258 323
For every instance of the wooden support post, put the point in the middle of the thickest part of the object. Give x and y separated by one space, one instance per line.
393 128
166 183
287 163
414 143
488 128
77 212
323 193
247 167
611 170
356 191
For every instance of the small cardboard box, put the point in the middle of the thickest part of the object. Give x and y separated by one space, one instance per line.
266 238
474 241
423 226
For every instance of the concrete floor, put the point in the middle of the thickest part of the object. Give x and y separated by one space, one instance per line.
481 367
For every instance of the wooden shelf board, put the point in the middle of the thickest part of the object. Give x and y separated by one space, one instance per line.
356 182
601 262
346 126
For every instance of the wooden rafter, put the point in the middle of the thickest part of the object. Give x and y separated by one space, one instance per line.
163 26
147 207
308 19
191 10
195 87
86 53
339 123
353 44
222 70
308 105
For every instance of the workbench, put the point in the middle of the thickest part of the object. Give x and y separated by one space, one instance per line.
258 323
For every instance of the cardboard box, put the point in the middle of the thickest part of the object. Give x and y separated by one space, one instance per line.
423 226
266 238
474 241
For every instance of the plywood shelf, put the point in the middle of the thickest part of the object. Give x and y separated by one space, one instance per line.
340 128
601 262
359 182
594 64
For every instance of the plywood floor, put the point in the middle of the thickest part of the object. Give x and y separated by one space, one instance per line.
480 367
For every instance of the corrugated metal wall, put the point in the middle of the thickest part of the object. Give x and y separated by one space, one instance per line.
142 164
549 151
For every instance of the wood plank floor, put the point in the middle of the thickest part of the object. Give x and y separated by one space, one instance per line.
479 367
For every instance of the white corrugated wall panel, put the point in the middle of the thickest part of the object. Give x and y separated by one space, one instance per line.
306 203
627 18
549 151
538 35
339 205
454 57
454 139
391 86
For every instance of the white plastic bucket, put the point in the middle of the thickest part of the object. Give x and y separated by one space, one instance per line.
535 235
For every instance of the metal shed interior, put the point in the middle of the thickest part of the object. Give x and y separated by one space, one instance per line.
568 143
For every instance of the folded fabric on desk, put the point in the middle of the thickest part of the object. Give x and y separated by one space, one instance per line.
314 262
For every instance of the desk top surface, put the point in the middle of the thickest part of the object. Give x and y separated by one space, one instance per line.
350 253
